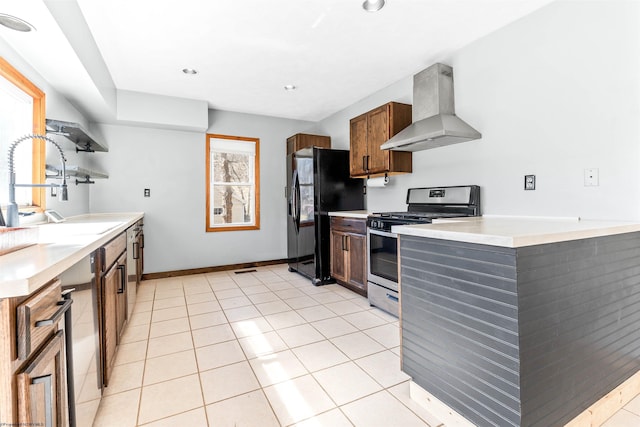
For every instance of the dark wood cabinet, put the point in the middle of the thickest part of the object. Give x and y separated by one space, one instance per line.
349 253
303 140
369 131
42 387
113 281
33 371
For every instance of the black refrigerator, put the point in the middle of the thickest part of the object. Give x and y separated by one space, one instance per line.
318 182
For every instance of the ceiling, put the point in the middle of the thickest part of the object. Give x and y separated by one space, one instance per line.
245 52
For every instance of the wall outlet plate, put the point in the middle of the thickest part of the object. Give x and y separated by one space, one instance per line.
529 182
591 177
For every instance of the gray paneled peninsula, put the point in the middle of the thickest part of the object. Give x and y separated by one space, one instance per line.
516 321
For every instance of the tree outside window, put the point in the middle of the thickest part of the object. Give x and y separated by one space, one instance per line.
232 183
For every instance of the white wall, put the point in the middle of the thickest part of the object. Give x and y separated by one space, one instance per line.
552 94
172 165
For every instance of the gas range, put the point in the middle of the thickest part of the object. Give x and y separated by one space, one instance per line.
426 204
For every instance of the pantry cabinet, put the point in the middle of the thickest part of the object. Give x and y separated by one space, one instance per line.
369 131
348 242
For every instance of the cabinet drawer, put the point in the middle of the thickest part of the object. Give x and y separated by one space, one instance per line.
349 225
40 307
112 250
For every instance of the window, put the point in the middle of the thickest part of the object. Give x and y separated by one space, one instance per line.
22 111
233 183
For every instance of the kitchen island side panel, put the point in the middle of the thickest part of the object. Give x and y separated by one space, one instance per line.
460 326
579 324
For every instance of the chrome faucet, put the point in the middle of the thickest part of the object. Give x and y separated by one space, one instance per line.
12 208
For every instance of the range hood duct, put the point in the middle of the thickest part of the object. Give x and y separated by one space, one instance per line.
435 123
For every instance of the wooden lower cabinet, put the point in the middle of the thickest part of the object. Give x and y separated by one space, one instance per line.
33 371
349 253
42 387
114 315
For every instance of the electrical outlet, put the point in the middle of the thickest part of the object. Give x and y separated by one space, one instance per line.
529 182
591 177
147 192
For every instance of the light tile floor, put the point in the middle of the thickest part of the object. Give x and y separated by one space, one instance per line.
261 349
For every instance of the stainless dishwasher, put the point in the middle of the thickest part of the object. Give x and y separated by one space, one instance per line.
85 369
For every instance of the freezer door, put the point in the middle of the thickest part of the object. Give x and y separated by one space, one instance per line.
292 232
306 213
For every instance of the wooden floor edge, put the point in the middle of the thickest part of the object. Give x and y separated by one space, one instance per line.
202 270
612 402
594 416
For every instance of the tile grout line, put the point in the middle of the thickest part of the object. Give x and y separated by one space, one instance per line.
278 333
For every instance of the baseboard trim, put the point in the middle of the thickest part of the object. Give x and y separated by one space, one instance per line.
176 273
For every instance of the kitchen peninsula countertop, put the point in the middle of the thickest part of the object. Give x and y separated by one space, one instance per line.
60 246
351 214
514 232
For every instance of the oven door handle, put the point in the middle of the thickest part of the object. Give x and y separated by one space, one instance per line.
382 233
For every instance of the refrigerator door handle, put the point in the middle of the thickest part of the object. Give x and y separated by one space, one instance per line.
298 203
295 200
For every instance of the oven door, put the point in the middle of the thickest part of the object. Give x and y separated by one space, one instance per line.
382 258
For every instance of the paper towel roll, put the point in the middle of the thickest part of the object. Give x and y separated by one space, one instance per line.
378 182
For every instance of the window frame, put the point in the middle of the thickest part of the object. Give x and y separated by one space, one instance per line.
39 127
209 226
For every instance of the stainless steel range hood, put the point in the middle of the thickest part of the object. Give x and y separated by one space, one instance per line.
434 121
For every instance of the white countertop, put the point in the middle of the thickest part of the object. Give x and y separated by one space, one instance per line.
514 232
351 214
26 270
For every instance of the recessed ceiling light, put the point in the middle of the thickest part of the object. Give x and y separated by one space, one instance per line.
373 5
189 71
15 24
290 87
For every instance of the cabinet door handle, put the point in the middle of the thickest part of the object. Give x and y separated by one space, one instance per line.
103 259
345 243
364 163
64 306
142 245
136 250
123 278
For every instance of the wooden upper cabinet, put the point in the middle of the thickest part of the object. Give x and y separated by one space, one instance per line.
358 152
303 140
369 131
